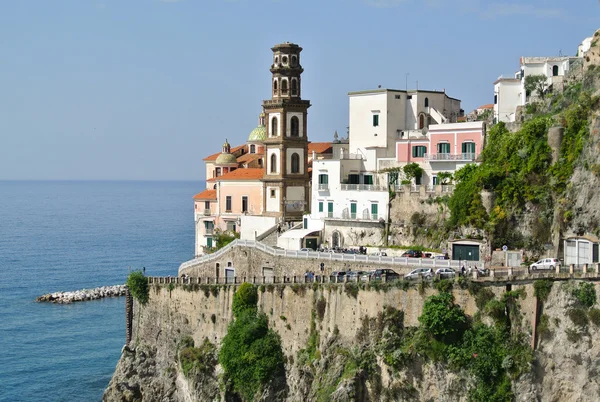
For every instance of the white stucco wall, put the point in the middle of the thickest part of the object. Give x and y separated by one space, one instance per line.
295 193
271 116
509 95
362 107
252 226
273 202
273 151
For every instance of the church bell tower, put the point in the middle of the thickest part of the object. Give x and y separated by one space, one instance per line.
286 145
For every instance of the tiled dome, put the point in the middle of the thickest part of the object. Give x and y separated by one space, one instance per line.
258 134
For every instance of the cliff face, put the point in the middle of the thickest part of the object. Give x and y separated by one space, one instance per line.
339 346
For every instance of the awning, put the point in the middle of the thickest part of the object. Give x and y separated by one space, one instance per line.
297 233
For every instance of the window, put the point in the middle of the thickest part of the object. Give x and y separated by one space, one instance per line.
294 60
353 179
284 59
419 151
421 121
409 97
435 181
206 204
554 71
352 210
252 149
228 203
468 148
274 85
231 227
294 87
374 211
295 126
244 204
272 193
375 120
368 179
323 179
295 163
320 206
260 162
495 99
218 172
284 87
426 102
273 163
443 148
396 96
274 127
330 209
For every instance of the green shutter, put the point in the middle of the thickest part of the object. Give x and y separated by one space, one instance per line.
320 206
330 207
374 208
353 208
375 120
209 242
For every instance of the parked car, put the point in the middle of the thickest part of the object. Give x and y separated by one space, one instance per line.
412 254
445 272
365 276
545 263
338 276
426 273
389 274
440 257
306 249
354 276
380 254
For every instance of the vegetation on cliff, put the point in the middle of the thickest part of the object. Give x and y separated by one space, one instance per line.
251 354
138 286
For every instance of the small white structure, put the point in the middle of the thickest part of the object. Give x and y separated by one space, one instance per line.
584 46
508 95
579 250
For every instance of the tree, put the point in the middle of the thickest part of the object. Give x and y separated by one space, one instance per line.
445 177
536 83
413 171
442 319
138 286
223 238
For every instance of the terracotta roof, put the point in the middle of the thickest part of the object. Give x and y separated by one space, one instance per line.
248 158
243 174
461 119
488 106
215 156
206 195
319 147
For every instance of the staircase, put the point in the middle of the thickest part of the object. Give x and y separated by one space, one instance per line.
437 116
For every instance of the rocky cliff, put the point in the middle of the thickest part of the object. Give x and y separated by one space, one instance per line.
346 343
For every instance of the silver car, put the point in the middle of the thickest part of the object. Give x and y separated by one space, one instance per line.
425 273
445 273
545 263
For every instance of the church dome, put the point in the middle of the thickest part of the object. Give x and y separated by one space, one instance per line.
258 134
226 159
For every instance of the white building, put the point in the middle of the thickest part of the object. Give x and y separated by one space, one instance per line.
584 46
507 97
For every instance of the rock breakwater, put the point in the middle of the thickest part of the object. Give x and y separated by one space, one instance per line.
83 295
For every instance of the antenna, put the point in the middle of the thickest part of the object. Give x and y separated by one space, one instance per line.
560 52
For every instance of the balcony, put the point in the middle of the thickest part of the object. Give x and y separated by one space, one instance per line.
363 187
324 187
206 212
209 231
354 216
451 157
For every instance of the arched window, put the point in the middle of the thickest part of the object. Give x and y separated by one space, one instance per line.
555 71
273 163
294 86
421 121
294 60
274 85
295 126
252 149
426 102
274 127
284 86
295 163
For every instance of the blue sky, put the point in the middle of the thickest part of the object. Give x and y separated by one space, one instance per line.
144 89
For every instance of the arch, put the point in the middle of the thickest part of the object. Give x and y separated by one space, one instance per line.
273 163
421 121
295 163
274 127
275 85
336 239
294 60
426 102
294 86
215 187
252 149
284 86
294 126
554 71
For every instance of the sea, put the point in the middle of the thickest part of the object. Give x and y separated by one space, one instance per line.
70 235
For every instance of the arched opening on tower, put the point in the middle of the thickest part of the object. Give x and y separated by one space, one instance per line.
295 163
294 127
284 87
273 163
294 86
275 86
274 127
421 121
426 102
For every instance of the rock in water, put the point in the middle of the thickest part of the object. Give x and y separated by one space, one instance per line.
83 295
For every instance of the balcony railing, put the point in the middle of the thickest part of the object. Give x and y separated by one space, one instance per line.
363 187
444 188
323 187
209 231
345 215
206 212
468 156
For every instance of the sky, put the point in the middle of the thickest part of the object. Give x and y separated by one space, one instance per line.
145 89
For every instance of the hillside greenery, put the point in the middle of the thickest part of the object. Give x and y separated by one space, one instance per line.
138 286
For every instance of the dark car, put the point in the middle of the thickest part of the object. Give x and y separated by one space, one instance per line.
412 254
389 274
338 276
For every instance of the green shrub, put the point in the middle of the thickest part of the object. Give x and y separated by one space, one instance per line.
351 289
444 285
541 289
138 286
245 298
320 307
442 319
585 294
543 327
594 315
578 316
573 335
200 360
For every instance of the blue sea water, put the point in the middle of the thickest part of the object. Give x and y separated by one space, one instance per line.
69 235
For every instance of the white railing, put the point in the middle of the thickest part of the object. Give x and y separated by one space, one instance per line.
468 156
402 261
323 187
208 231
363 187
206 212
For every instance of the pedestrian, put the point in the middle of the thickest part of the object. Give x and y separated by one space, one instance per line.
463 270
144 270
278 229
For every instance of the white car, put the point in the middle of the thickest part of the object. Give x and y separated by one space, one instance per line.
545 263
426 273
445 273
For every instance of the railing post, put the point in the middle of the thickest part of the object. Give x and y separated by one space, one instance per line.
597 268
585 268
557 269
571 269
510 271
